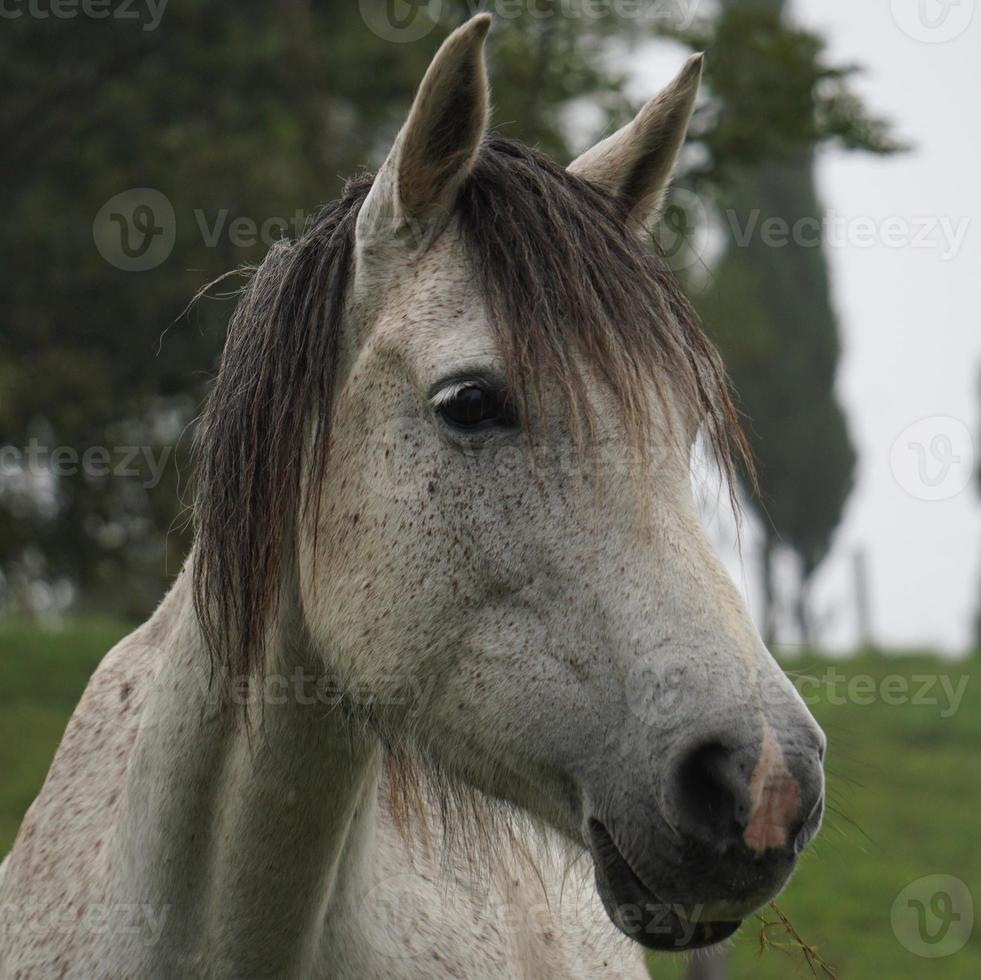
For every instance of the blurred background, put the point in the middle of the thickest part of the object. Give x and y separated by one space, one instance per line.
824 220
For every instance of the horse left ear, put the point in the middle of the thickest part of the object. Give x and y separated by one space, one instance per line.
419 181
635 163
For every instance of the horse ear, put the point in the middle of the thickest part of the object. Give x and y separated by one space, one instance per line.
635 163
435 149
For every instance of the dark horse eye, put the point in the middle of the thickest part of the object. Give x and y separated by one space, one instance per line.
475 407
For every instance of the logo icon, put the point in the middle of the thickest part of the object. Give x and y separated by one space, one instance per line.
682 231
407 925
933 21
933 459
933 916
401 21
659 691
135 230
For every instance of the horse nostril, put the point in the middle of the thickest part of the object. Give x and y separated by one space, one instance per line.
712 793
752 794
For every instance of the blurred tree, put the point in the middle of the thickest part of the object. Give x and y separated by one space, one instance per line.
768 301
249 112
977 618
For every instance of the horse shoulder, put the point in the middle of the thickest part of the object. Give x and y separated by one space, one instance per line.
59 857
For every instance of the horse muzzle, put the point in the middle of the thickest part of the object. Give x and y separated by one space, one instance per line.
730 822
639 912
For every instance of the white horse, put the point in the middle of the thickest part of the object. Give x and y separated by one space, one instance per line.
452 684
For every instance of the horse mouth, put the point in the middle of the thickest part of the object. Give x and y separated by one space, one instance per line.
638 912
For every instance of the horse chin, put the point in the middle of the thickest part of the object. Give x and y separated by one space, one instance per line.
638 912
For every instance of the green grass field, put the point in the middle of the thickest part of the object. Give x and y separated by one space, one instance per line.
904 787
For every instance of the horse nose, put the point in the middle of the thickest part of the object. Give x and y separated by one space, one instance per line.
757 795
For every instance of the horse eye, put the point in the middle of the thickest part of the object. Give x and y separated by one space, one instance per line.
475 407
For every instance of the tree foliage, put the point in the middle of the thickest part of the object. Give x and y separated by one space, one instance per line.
768 300
253 111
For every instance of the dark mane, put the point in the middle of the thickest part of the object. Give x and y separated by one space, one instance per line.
562 276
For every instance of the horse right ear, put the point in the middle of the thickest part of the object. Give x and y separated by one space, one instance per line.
419 181
635 163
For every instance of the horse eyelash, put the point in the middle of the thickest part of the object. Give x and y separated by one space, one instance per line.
447 394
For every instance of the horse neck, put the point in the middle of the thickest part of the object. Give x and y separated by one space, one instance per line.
248 833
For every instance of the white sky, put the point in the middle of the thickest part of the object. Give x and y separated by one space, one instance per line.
906 276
